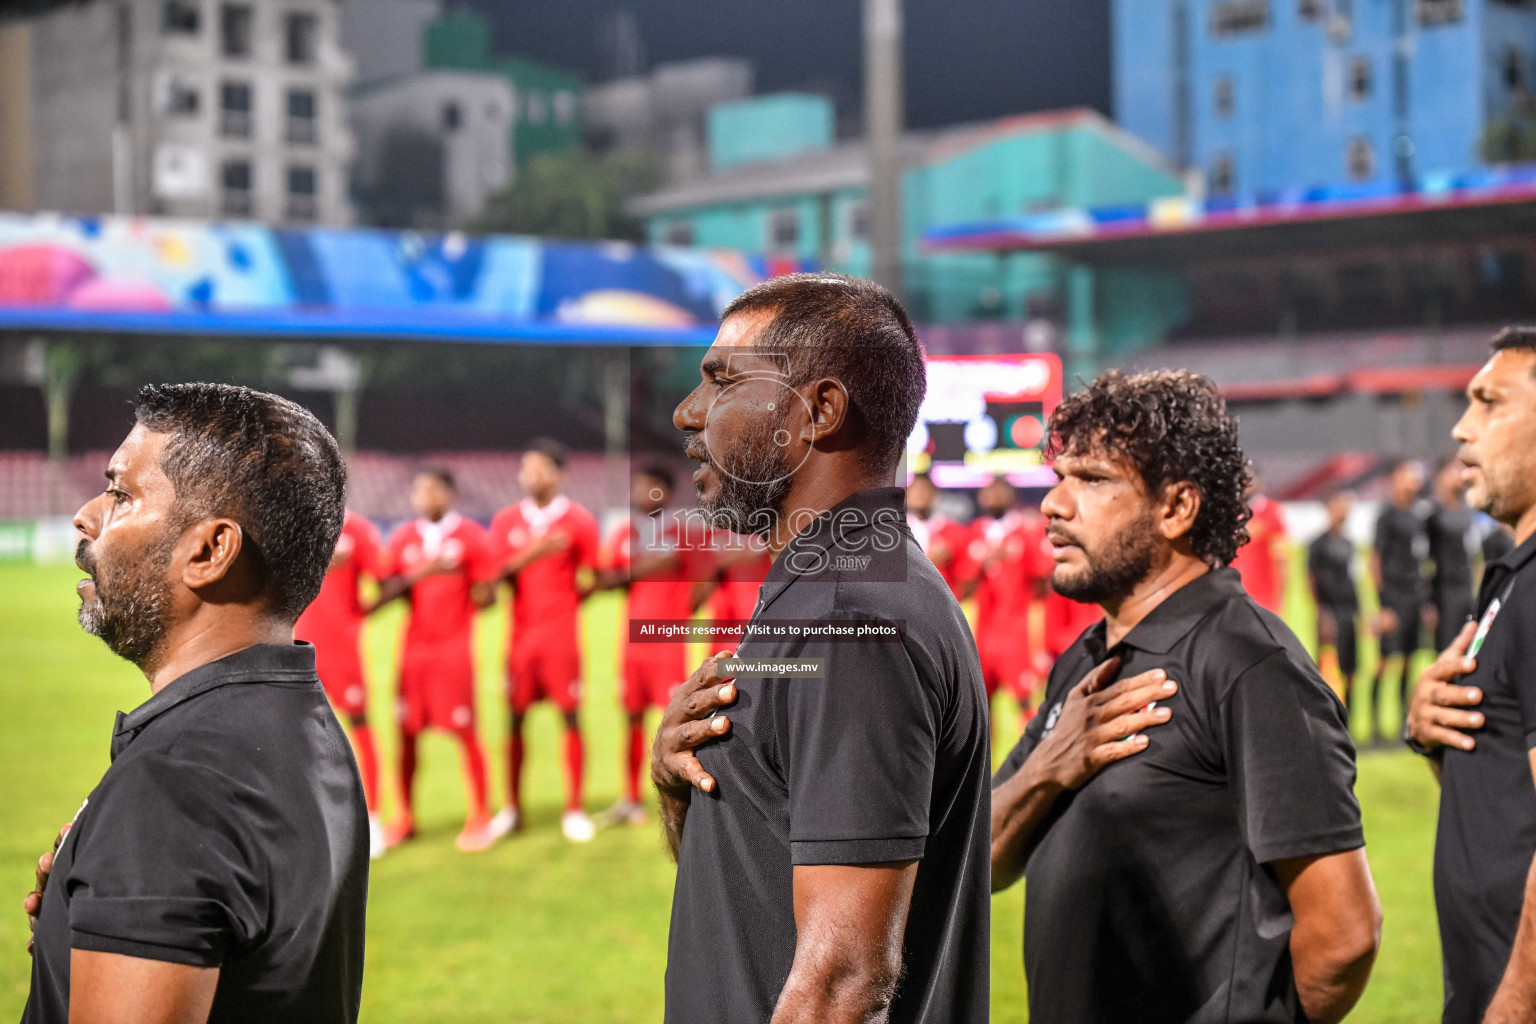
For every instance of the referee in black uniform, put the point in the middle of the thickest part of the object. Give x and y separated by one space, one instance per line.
219 870
1330 570
1474 715
1397 559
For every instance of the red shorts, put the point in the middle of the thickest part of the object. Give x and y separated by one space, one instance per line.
437 687
1007 666
341 673
544 671
651 675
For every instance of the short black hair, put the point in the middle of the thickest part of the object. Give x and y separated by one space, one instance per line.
660 472
854 330
551 449
1515 337
1173 427
266 463
442 474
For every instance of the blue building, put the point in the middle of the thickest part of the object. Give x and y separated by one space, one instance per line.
1270 95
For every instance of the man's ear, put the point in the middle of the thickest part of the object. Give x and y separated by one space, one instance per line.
827 402
1181 506
209 549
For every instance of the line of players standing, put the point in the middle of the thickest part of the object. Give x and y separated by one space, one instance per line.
1422 565
546 549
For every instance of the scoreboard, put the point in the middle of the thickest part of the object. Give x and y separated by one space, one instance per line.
985 416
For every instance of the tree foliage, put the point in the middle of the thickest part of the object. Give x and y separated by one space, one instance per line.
573 194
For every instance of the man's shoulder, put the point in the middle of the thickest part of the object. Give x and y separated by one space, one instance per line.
1247 634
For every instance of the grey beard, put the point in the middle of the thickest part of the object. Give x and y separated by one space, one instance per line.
131 613
753 493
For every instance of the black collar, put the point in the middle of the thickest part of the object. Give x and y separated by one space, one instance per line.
842 521
1180 612
282 663
1517 558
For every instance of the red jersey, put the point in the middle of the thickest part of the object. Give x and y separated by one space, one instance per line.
442 606
1006 586
669 593
1258 561
735 595
336 614
944 542
545 592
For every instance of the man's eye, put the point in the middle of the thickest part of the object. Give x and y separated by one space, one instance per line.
118 497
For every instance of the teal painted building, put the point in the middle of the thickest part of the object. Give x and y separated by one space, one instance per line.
809 204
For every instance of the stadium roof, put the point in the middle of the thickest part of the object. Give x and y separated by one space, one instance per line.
161 276
1474 206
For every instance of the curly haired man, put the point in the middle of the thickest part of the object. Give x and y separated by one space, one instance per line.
1184 807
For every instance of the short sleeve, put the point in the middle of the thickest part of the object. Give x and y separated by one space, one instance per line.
367 549
166 870
859 754
587 542
1291 763
479 557
499 543
614 555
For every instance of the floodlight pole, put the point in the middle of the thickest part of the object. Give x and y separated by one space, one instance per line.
883 119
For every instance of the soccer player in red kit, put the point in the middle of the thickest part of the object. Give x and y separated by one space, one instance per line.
542 544
741 565
334 624
1007 572
442 561
666 569
942 539
1262 561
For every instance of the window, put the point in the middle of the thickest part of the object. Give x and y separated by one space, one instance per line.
537 112
677 232
235 110
1310 10
179 97
300 36
1222 96
1236 17
1438 12
180 18
235 30
1513 70
1223 176
565 106
856 224
302 201
453 117
1360 78
783 230
235 191
1361 159
302 125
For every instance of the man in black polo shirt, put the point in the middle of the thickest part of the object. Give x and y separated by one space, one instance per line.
1216 872
1331 572
219 870
1474 715
1397 560
832 861
1452 538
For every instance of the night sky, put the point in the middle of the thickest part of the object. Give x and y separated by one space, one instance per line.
966 60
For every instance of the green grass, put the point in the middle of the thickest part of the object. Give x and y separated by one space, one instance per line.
538 930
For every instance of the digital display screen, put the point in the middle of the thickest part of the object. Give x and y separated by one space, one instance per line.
985 416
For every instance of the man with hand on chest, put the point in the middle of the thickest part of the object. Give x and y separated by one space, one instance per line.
1183 808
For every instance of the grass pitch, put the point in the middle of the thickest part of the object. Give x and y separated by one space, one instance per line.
538 930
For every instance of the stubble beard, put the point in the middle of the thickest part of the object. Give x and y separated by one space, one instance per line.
130 608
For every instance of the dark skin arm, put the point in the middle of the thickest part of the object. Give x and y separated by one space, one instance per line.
1099 724
1438 714
686 726
849 924
109 988
1337 930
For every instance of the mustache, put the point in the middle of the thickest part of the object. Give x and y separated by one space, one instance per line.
1059 535
695 448
84 559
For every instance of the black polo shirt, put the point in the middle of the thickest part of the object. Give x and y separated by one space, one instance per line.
229 831
883 759
1487 830
1149 894
1330 562
1402 545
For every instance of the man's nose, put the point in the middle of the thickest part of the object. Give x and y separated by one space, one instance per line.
87 519
689 414
1053 505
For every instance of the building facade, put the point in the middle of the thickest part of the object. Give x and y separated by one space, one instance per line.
1268 95
664 111
810 205
191 108
433 147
